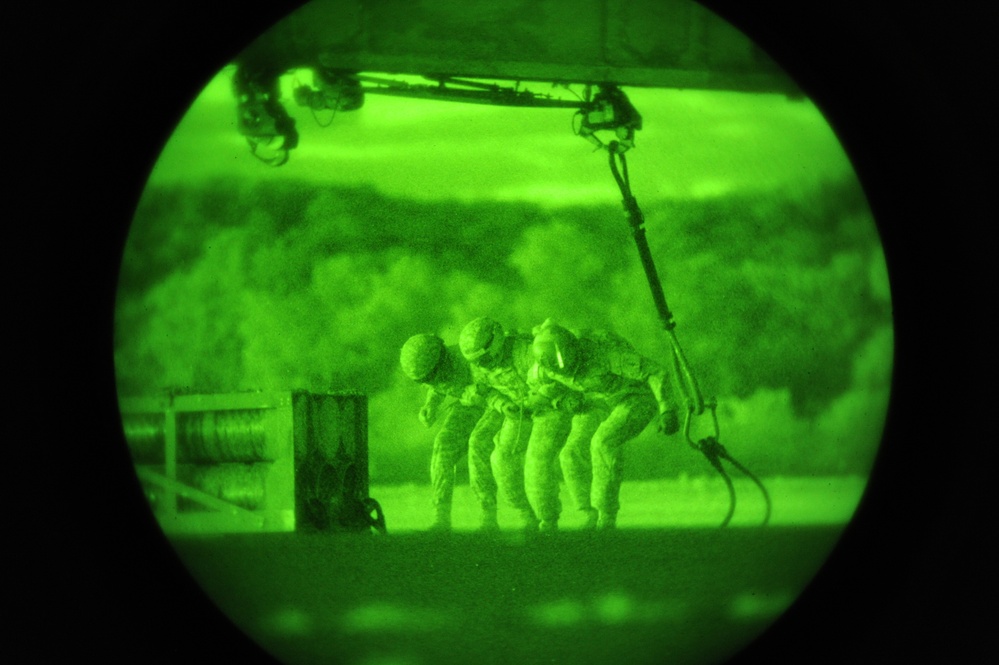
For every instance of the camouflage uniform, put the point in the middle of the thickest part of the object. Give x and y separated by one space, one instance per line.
468 427
509 400
623 391
562 422
575 459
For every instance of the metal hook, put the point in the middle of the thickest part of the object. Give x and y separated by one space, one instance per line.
714 451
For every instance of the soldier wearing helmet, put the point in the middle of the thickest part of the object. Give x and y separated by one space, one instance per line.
562 422
468 425
500 363
624 387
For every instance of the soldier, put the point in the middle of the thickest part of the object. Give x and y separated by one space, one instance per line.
468 425
500 362
562 433
626 387
575 459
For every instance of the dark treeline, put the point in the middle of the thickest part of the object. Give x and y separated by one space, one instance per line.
781 301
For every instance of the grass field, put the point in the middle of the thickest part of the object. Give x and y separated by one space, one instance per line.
681 502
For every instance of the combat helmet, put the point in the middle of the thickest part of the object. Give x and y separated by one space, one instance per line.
554 347
420 356
480 339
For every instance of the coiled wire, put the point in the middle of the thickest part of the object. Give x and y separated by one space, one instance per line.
206 437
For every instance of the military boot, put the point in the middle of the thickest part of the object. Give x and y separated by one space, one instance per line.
606 521
591 519
489 521
442 519
529 520
548 526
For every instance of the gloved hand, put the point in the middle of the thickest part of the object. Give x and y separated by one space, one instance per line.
668 422
571 402
471 397
538 404
428 416
511 410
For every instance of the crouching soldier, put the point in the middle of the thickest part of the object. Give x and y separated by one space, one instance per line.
467 425
628 388
500 363
564 423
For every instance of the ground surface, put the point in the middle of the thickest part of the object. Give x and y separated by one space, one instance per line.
650 596
681 502
667 587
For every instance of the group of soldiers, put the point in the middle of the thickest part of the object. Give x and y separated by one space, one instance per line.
525 405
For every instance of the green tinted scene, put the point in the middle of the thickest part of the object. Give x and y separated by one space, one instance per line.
565 332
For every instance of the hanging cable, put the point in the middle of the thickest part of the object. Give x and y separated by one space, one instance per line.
627 121
714 451
636 220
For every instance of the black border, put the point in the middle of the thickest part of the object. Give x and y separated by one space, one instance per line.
902 84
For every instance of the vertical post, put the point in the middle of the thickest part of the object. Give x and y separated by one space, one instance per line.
361 443
170 459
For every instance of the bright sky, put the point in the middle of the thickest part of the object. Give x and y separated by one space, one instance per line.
693 144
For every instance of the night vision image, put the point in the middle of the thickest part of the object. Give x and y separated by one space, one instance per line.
503 332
